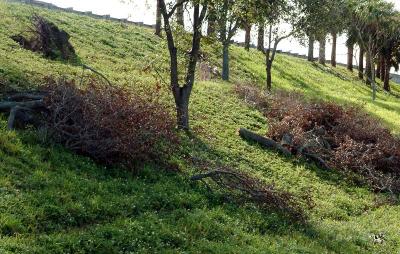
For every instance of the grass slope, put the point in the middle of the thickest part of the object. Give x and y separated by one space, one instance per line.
52 201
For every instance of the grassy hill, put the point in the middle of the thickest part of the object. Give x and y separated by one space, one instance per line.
52 201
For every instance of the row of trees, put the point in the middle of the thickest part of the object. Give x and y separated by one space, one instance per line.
372 25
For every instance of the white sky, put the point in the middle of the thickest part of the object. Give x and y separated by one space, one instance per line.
144 11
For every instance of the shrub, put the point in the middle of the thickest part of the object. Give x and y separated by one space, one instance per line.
110 124
343 138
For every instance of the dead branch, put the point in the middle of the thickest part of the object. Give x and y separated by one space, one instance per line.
86 67
254 190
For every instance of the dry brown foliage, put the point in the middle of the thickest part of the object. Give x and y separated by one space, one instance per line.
342 138
110 124
47 39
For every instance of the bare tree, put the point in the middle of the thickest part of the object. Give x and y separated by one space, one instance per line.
275 36
182 92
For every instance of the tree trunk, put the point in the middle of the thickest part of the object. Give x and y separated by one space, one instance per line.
350 55
180 19
182 109
386 82
368 69
225 62
158 19
311 48
261 34
378 68
322 45
383 68
334 45
247 37
361 64
269 74
370 72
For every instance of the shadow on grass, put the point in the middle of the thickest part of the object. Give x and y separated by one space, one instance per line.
328 70
275 223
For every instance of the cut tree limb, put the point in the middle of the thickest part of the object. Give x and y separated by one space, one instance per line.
84 66
11 117
25 96
23 112
8 105
263 141
254 190
271 144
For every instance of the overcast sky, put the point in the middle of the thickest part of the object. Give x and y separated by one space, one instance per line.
139 10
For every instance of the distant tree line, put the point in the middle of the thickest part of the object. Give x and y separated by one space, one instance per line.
372 26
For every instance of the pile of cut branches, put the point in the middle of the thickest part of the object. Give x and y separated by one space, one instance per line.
47 39
250 189
342 138
24 108
110 124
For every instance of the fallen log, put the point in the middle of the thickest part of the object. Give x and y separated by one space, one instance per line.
263 141
25 96
23 109
8 105
271 144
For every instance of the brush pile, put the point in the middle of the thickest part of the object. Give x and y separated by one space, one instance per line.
335 137
112 125
47 39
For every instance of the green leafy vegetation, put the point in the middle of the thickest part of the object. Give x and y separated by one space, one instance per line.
52 201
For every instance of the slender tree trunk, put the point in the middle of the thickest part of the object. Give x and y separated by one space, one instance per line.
383 68
247 37
311 42
361 64
350 55
378 68
373 83
334 45
225 62
386 82
180 19
261 34
368 69
269 74
158 19
322 45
